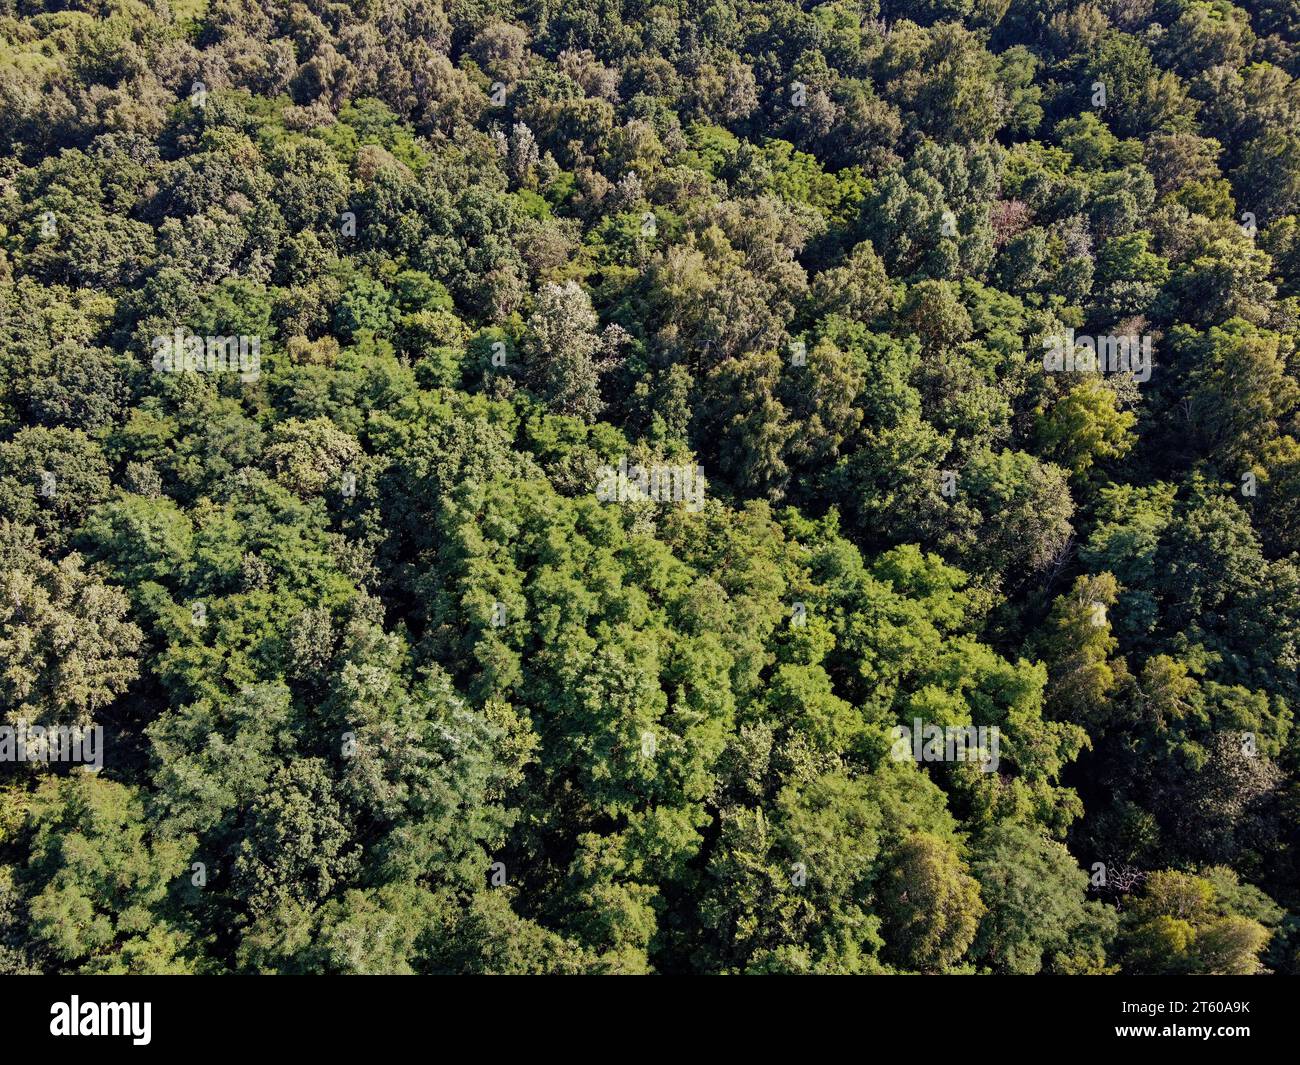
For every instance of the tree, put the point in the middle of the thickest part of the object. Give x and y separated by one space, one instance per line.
1087 425
1034 893
1011 514
1083 673
1182 924
98 883
296 848
312 457
563 352
930 905
67 646
50 479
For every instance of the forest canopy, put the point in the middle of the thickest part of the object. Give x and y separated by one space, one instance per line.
693 486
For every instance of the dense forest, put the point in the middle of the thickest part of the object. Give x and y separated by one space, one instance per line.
649 486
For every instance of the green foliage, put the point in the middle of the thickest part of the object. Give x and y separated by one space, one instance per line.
388 681
1202 925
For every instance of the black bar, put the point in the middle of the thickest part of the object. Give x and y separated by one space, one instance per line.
496 1016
